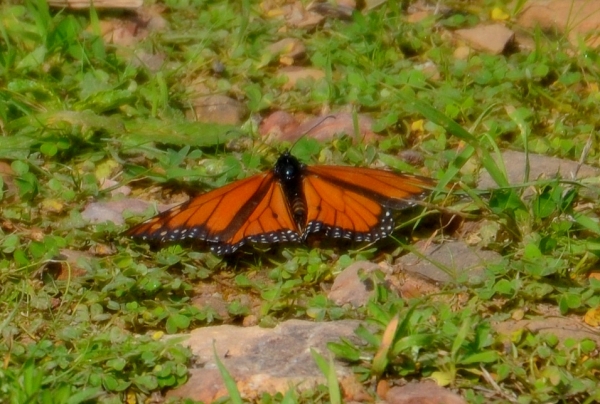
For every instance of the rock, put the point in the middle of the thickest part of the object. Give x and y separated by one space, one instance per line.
278 125
283 126
576 17
561 327
99 212
294 74
130 29
425 392
106 183
488 38
540 167
69 264
419 16
462 52
261 360
430 70
288 50
213 301
218 109
350 287
456 257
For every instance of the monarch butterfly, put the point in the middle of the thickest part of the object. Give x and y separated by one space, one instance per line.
288 203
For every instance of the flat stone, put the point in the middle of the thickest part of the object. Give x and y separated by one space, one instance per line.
561 327
448 261
488 38
261 359
349 287
295 73
284 126
424 392
218 109
575 17
540 167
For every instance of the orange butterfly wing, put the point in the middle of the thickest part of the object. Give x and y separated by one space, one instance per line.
356 203
253 209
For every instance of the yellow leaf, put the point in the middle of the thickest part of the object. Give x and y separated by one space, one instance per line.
499 15
441 378
52 205
592 317
417 126
518 314
106 169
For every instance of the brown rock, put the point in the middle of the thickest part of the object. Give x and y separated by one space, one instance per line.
131 28
283 126
68 264
261 360
298 16
335 10
107 183
462 52
214 301
419 16
350 287
577 17
295 74
288 50
488 38
150 61
218 109
278 125
413 286
425 392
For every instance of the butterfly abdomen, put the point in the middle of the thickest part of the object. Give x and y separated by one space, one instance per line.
289 172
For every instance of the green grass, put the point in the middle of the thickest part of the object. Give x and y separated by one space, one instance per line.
75 111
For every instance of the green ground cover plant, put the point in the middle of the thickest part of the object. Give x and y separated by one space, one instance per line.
76 110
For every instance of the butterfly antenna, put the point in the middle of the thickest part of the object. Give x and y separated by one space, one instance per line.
318 123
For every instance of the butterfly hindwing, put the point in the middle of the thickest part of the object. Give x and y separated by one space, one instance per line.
270 221
226 218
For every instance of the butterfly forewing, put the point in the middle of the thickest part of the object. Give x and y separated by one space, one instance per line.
386 187
355 203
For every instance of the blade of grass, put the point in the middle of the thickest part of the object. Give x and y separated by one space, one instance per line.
328 370
234 393
245 19
456 130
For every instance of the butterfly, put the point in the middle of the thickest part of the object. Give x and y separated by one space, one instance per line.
288 203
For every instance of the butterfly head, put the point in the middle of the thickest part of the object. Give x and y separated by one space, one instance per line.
288 168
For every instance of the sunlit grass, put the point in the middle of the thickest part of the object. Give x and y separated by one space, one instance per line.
76 111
